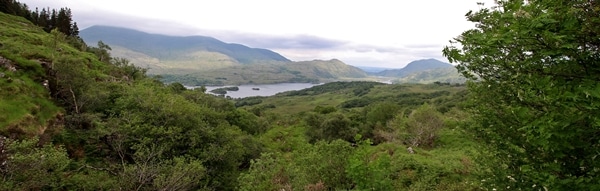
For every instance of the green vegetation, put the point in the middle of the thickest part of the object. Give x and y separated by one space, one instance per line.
76 118
225 90
442 75
102 124
536 98
359 94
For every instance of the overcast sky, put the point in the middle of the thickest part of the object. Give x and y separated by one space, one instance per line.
383 33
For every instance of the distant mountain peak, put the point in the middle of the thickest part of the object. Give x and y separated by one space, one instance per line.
415 66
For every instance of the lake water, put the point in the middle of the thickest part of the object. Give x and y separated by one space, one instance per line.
263 89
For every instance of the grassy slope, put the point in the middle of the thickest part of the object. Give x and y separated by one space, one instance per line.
25 103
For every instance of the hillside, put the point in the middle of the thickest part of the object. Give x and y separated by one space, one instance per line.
25 107
443 75
71 119
414 67
316 71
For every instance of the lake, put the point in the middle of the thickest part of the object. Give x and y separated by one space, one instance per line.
263 89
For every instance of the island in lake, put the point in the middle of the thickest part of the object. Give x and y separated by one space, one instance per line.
224 90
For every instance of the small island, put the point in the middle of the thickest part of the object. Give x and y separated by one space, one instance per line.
224 90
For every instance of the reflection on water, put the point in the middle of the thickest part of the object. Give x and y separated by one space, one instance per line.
262 89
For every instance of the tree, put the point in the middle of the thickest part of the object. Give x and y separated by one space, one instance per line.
32 168
368 168
420 128
534 68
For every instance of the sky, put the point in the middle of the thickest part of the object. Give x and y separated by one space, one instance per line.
378 33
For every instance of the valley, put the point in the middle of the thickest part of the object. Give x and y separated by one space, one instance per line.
112 108
201 60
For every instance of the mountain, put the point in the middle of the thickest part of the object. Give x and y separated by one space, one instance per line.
298 72
414 67
444 75
373 70
331 69
165 47
200 60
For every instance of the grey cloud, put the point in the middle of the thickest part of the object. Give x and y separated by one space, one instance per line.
282 42
87 19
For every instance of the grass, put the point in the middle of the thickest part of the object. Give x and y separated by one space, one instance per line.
25 104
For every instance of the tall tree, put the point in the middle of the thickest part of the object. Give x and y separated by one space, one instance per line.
535 67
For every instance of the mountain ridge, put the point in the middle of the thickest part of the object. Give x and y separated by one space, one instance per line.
171 47
201 60
414 67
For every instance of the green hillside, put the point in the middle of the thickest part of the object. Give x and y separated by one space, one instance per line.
72 119
26 53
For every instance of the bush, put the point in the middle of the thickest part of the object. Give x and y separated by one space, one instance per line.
421 127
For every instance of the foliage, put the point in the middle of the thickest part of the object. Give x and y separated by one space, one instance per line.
248 101
420 128
31 168
103 124
308 166
359 86
47 19
534 72
265 173
224 90
329 127
444 75
368 170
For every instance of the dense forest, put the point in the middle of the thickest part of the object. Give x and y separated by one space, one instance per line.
74 118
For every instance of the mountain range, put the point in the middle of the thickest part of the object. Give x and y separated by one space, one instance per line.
173 47
202 60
